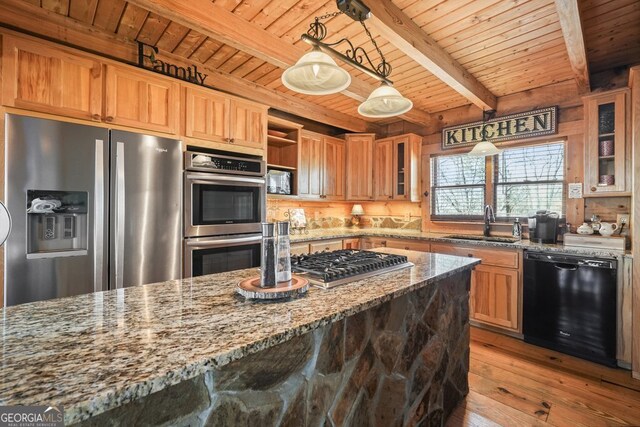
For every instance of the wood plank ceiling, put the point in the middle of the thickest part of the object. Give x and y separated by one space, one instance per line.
507 45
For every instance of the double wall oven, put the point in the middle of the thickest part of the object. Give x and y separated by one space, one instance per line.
224 206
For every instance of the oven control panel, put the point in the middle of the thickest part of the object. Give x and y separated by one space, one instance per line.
219 163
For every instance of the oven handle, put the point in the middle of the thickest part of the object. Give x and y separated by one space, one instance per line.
199 179
237 240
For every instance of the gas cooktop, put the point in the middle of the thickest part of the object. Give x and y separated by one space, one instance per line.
329 269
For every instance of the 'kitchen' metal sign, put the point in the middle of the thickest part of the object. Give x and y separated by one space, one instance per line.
514 126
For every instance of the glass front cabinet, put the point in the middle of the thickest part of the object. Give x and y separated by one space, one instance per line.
607 154
397 172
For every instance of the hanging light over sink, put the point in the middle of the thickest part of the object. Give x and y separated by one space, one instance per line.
316 73
485 148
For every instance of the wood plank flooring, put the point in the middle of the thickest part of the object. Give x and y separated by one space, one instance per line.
516 384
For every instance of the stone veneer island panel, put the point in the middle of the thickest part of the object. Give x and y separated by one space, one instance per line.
389 350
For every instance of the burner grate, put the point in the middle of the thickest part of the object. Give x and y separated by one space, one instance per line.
343 266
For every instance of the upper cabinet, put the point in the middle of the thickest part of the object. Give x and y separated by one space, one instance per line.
139 99
607 154
359 166
321 166
333 158
216 117
50 80
397 168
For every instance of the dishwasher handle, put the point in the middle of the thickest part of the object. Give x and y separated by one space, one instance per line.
566 267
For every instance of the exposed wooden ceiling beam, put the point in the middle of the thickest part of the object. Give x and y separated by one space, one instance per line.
27 17
569 16
218 23
407 36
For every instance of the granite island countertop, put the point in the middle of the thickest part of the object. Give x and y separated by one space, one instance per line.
398 233
95 352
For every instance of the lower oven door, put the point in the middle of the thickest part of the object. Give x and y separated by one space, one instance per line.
223 204
210 255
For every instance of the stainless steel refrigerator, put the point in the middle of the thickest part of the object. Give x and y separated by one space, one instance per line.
92 209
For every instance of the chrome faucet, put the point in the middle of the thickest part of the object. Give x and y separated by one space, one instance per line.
489 217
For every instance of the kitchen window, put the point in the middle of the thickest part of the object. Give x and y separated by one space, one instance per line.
457 187
528 179
517 182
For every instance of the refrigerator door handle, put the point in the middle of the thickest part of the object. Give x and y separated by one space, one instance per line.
119 219
98 223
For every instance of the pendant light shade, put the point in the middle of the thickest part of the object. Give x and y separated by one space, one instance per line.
316 73
483 149
385 101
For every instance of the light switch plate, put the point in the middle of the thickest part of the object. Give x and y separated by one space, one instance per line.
575 190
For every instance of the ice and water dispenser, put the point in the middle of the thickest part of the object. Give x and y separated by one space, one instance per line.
56 223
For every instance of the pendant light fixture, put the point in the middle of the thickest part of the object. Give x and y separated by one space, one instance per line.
485 148
316 73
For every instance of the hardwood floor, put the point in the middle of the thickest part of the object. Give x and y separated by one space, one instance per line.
516 384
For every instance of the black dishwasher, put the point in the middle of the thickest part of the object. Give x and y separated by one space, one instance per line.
569 305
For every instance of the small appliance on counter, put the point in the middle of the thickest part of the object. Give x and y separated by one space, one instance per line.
615 243
543 227
279 182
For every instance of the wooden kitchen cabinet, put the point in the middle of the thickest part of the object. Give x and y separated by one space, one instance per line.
299 248
140 100
384 242
325 245
219 118
397 172
333 159
359 166
494 295
607 154
351 244
56 81
248 127
207 115
321 166
310 165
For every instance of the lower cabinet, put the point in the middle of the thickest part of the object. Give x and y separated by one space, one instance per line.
325 245
299 248
383 242
494 296
495 293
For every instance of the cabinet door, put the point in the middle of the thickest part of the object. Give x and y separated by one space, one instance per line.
38 78
606 154
310 165
351 243
494 296
248 124
359 166
140 100
328 245
401 168
333 168
383 169
207 115
299 248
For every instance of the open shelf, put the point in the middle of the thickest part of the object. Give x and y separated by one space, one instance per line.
286 168
277 141
605 135
612 157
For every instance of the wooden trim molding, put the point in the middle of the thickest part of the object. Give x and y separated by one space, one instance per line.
634 84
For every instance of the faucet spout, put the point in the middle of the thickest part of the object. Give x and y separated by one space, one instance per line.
489 217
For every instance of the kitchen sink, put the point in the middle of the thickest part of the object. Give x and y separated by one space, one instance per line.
482 238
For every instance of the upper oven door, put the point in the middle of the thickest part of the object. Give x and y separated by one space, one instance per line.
223 204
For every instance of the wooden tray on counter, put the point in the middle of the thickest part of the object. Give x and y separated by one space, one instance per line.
250 288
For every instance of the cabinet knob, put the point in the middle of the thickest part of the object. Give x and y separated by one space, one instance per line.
391 197
470 255
108 119
96 117
593 188
406 247
383 243
232 140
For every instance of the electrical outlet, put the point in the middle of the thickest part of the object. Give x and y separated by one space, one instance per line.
620 218
407 217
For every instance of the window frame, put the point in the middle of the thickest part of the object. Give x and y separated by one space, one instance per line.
491 184
483 186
